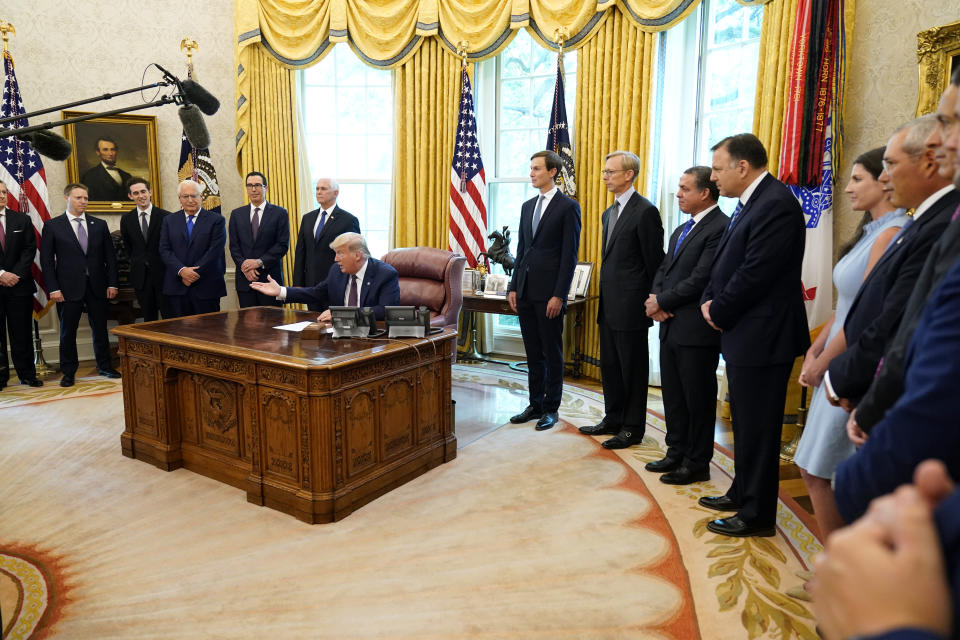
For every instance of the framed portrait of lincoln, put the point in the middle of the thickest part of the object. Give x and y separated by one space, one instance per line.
107 151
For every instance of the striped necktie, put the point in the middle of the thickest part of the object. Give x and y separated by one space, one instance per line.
736 212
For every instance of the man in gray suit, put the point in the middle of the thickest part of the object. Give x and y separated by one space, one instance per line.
689 347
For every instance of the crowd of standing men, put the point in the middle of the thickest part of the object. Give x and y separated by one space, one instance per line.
177 263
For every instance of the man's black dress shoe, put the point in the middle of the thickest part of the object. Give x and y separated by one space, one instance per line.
664 464
32 382
604 428
526 415
66 381
109 373
623 440
547 420
2 385
718 503
734 526
685 475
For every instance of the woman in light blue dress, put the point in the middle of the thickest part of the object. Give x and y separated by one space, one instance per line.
824 444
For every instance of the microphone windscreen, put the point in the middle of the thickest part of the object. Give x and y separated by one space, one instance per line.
200 97
193 126
48 143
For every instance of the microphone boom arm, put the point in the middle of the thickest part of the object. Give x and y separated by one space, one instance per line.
106 96
6 133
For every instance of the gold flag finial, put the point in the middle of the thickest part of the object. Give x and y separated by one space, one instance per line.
189 45
560 35
462 47
7 30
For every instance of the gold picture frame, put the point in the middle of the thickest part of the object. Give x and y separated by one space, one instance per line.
938 54
135 139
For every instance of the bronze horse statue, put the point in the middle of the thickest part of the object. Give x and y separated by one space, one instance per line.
499 251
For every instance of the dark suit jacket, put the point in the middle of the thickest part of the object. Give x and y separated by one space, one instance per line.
67 269
923 422
755 281
878 307
380 288
888 383
271 244
545 261
21 250
102 187
204 249
681 279
144 254
312 260
629 264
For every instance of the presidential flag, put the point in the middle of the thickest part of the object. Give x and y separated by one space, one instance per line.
22 171
558 136
197 165
468 184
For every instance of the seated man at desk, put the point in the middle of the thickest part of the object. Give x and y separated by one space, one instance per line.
356 280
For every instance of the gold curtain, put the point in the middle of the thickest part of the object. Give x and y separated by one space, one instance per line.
615 70
426 91
272 136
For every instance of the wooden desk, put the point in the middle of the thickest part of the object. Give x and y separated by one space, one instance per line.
473 304
315 429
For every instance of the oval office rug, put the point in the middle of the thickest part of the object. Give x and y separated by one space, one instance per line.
524 535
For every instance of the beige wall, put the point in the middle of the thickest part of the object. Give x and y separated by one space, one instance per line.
66 51
882 80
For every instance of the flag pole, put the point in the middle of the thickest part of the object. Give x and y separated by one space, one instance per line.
39 362
6 29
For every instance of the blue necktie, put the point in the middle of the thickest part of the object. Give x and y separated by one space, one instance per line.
190 226
903 229
81 234
736 212
323 221
536 216
683 234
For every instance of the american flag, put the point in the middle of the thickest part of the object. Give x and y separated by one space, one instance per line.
558 136
22 171
197 165
468 185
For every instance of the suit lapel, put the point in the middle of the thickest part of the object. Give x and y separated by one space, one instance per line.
631 204
543 214
326 224
696 230
69 224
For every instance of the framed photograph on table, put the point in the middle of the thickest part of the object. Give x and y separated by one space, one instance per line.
581 280
109 150
496 285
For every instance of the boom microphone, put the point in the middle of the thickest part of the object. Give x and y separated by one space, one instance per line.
200 97
193 126
49 144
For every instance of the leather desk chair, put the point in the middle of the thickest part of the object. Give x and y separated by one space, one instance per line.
430 277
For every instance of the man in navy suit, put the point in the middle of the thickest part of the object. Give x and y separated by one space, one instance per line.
313 256
80 271
546 258
259 237
754 297
923 422
191 246
689 347
140 230
632 250
357 280
911 176
18 248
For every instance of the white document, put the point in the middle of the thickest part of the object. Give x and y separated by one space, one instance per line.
296 327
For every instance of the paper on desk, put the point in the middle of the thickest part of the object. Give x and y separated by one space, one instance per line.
296 327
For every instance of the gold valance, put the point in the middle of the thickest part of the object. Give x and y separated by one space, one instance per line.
385 33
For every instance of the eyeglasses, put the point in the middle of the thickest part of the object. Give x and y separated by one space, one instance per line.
609 172
255 186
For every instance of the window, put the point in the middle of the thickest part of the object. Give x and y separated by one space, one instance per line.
347 111
728 83
514 93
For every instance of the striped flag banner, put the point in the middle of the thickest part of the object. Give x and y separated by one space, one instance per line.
22 171
468 183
